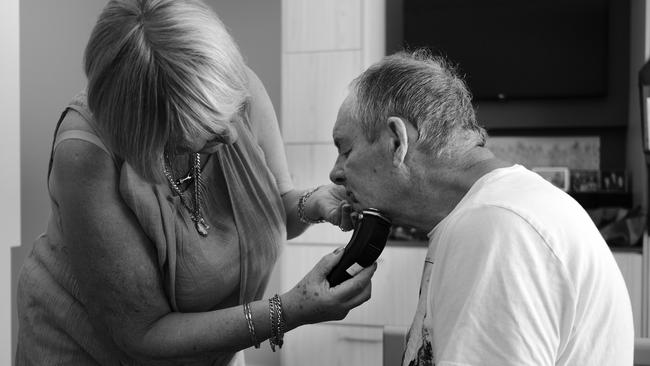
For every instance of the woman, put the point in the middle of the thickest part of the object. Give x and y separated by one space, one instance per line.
170 197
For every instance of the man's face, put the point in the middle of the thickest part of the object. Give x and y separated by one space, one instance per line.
362 168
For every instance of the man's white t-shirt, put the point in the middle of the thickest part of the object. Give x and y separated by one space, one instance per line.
517 274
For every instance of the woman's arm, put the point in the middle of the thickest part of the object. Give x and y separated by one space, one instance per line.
329 206
121 285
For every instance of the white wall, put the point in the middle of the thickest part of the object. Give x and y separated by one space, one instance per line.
256 26
53 35
9 162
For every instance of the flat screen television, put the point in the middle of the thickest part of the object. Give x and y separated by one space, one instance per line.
517 49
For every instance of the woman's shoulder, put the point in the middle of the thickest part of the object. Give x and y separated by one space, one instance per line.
74 120
83 156
74 127
79 155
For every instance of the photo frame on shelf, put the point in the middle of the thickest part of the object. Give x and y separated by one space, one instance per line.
614 181
585 180
558 176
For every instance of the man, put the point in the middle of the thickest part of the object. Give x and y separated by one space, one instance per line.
516 272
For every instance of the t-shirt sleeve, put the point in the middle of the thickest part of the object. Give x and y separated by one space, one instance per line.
498 294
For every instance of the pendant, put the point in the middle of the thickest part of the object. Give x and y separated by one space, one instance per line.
202 227
183 180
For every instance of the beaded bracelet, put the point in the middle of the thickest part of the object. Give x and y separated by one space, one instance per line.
301 208
272 316
281 324
278 324
251 327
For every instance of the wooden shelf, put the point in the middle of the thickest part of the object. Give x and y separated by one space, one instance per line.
603 199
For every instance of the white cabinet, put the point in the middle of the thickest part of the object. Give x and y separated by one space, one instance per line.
359 338
332 344
631 266
395 284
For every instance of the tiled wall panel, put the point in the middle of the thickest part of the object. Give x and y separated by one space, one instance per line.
314 86
321 25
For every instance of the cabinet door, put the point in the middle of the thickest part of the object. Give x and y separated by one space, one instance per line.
630 265
331 345
395 285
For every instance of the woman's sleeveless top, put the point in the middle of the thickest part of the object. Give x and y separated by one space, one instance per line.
248 223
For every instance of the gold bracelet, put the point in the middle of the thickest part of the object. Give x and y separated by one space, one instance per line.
251 327
301 208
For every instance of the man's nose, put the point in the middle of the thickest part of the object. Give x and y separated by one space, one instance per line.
336 175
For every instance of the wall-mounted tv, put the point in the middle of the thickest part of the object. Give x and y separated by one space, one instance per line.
516 49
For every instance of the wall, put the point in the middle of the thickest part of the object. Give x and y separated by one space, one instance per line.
639 50
53 35
9 162
256 25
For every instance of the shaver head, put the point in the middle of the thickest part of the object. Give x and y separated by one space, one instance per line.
365 246
375 213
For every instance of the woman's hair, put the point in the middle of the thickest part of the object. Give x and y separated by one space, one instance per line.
424 90
161 73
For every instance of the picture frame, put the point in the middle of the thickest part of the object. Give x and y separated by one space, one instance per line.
585 180
614 181
558 176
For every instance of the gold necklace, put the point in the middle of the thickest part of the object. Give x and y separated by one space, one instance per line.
195 210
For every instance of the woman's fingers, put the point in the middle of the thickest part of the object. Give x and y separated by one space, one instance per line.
356 287
346 223
327 263
312 300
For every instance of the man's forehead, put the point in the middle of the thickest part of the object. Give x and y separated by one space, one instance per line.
344 125
344 129
338 134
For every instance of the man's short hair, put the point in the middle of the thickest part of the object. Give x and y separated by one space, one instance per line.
424 90
160 74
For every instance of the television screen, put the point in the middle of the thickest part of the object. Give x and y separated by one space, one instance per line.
509 49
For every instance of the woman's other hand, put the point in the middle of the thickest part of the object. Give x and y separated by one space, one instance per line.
329 203
312 300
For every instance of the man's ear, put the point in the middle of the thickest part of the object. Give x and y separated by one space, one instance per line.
399 139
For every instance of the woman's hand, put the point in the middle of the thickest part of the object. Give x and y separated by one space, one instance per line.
329 202
312 300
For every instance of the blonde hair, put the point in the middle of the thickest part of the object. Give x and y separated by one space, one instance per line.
161 73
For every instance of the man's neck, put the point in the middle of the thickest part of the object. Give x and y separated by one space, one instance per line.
440 185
